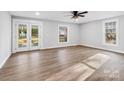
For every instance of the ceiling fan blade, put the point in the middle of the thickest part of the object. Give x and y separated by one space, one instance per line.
81 15
73 17
74 12
83 12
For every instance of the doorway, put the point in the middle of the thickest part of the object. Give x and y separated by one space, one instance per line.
27 35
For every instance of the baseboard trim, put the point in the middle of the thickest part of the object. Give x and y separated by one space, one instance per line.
47 48
2 64
57 47
116 51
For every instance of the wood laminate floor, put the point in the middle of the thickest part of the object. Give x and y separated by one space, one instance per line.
71 63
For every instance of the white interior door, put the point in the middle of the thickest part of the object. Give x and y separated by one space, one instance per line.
28 36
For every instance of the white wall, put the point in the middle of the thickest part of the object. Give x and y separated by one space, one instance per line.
5 37
91 34
51 35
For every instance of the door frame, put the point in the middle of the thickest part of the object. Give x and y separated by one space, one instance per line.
28 22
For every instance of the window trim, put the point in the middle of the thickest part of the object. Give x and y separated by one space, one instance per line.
67 33
117 31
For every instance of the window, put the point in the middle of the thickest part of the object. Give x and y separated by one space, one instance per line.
63 33
110 35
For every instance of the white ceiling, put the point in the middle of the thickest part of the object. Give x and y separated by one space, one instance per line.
64 16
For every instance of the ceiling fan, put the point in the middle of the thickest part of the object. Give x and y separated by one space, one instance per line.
77 14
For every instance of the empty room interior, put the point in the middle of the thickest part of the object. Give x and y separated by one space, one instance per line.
61 45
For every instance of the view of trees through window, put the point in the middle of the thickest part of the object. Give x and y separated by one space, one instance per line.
22 38
22 35
34 33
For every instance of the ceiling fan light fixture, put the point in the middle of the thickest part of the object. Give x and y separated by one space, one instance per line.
76 18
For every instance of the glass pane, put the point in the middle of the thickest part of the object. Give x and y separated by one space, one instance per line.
110 35
63 34
22 35
34 34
